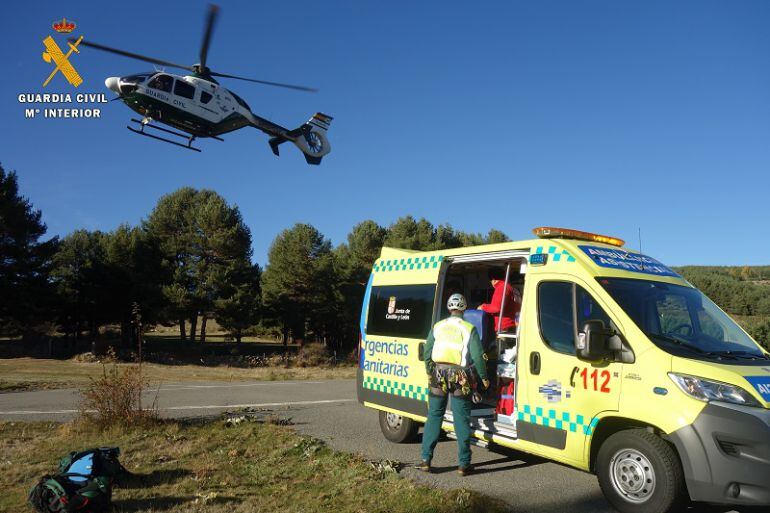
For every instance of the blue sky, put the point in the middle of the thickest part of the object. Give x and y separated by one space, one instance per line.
599 115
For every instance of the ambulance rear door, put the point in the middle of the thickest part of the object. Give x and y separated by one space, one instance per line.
401 303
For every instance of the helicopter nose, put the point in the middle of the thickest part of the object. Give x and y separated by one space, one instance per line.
113 84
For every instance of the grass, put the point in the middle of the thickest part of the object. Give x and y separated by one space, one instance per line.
18 374
26 386
215 337
207 467
211 338
214 333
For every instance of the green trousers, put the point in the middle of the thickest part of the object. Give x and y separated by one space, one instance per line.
461 414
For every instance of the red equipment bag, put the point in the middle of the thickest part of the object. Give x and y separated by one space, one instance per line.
505 402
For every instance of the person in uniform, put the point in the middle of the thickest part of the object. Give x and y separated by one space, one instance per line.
456 365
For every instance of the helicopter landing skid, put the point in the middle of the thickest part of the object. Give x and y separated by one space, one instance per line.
142 126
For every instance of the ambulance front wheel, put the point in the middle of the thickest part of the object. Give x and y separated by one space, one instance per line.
398 429
639 472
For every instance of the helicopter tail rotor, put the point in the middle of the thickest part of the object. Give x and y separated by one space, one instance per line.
312 141
310 138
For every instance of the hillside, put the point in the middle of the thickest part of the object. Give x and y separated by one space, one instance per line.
742 291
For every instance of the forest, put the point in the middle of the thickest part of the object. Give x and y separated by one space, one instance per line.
190 261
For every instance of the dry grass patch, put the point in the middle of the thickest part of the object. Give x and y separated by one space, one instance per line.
208 467
27 386
34 373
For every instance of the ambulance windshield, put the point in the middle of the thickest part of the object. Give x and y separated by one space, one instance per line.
683 321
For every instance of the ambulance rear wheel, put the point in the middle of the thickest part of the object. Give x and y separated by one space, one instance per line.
639 472
398 429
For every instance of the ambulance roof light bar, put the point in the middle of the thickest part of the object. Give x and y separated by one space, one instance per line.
549 232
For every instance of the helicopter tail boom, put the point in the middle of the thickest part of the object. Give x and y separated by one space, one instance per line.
310 138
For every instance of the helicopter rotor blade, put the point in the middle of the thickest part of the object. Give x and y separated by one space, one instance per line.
265 82
132 55
210 20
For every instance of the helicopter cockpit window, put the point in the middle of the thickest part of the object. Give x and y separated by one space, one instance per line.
205 97
240 101
182 88
162 83
136 79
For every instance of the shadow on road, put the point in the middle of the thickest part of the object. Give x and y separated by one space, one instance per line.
490 466
587 504
711 508
516 463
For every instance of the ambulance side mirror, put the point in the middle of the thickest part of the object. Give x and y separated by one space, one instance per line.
594 342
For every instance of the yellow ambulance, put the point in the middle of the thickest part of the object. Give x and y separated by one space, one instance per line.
616 365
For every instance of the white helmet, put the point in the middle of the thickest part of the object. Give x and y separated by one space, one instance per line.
456 302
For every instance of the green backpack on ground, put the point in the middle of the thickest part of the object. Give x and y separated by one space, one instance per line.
83 483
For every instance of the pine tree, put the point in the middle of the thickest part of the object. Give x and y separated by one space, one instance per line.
81 277
134 278
25 294
354 258
200 238
240 306
353 262
495 236
298 285
408 233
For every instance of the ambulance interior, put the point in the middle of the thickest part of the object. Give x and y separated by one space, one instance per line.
495 411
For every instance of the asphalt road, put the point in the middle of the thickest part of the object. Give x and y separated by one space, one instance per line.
328 410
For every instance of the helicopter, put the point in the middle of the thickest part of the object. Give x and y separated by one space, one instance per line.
198 106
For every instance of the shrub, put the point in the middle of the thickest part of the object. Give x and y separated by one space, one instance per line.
277 360
109 356
116 398
760 331
313 355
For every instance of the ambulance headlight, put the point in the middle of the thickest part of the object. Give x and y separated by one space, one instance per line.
709 390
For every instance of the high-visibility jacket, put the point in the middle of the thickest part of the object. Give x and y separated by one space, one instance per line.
452 337
456 342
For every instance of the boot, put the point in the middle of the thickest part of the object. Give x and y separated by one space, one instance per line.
424 466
